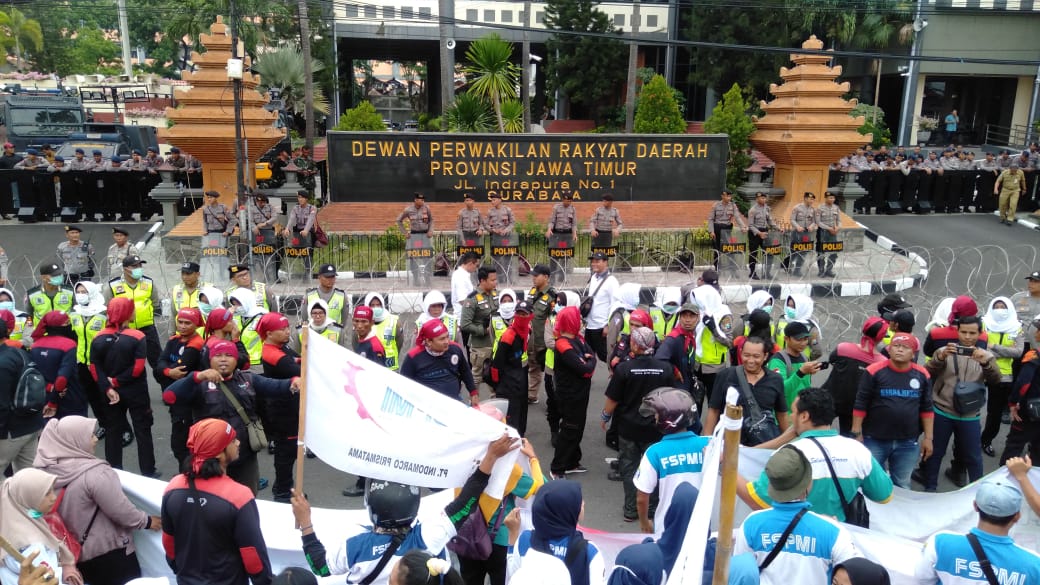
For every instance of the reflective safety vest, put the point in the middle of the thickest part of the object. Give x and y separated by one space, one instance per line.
663 322
144 314
713 353
387 331
183 299
332 332
337 304
450 322
41 303
550 354
251 339
1007 340
19 326
499 325
258 288
86 329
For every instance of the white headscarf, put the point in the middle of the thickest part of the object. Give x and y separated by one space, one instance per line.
95 300
709 300
213 295
247 299
1009 324
434 297
668 294
803 310
16 312
758 300
940 315
625 297
325 324
573 300
509 310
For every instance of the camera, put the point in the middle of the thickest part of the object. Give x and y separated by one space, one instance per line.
824 365
965 350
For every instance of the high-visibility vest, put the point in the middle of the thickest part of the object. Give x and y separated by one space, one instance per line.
141 295
499 325
86 330
337 304
550 354
41 304
387 331
258 288
251 339
713 353
332 332
19 327
450 322
663 322
1007 340
182 299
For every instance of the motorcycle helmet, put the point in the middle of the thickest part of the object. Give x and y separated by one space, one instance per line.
390 504
672 409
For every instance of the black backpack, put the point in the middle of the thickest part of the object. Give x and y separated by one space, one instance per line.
30 395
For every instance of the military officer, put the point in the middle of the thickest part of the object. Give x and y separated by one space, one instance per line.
563 223
725 215
216 217
241 277
336 299
419 216
140 289
51 294
76 255
119 250
828 221
542 298
500 222
477 310
468 223
605 224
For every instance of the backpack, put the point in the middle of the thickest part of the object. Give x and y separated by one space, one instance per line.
30 396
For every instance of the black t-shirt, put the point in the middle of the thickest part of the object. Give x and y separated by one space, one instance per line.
768 391
632 380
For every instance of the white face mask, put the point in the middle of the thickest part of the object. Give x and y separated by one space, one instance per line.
1001 315
241 311
670 308
377 313
82 298
9 305
507 310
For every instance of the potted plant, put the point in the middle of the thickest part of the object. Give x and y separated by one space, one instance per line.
925 127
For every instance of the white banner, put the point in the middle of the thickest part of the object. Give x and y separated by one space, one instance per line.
370 421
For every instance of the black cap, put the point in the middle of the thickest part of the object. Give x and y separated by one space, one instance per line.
607 197
79 151
119 230
495 195
467 196
418 195
326 270
796 330
73 228
50 270
303 193
597 256
175 150
567 195
523 307
541 269
1035 275
152 149
136 151
236 268
710 276
891 303
96 152
59 159
132 260
189 268
903 319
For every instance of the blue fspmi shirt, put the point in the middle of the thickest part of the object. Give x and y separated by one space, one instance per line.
667 463
948 559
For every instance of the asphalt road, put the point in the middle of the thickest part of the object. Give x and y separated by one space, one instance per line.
965 253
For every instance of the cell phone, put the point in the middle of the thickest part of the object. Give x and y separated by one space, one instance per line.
824 365
965 350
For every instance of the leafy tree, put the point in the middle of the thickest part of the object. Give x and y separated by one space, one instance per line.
513 116
261 17
469 113
657 111
362 117
731 117
18 31
873 123
586 70
283 69
496 75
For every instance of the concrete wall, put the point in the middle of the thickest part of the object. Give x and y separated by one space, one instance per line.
995 34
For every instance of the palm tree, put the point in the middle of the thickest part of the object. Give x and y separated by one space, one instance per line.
283 68
19 31
469 113
194 17
496 75
513 116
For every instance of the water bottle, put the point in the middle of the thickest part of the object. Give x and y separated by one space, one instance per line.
167 308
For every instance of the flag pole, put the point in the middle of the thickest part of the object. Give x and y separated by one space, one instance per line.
302 427
728 493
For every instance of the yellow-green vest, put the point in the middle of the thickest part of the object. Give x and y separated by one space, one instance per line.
713 353
387 331
86 330
331 332
550 354
144 312
251 339
1007 340
499 325
258 288
449 321
182 299
19 327
41 304
337 304
660 322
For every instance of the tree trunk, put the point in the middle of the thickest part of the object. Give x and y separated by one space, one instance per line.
498 112
308 74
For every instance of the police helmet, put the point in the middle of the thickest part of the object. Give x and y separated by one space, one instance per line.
391 504
674 409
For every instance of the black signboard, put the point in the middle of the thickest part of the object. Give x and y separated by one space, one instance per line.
391 166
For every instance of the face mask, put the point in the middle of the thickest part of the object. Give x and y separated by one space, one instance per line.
670 309
790 312
1001 314
507 310
241 311
726 326
137 273
7 306
57 280
82 299
34 514
205 308
377 313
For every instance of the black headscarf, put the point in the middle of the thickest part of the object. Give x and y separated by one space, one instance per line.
865 572
555 517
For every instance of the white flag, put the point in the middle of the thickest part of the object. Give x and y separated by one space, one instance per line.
367 420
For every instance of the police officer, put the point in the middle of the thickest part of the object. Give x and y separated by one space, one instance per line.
828 221
500 222
337 300
724 216
477 310
419 216
140 289
605 224
803 223
242 278
263 218
79 161
760 221
562 222
76 255
152 160
119 250
216 217
51 294
469 225
185 295
32 160
989 170
542 298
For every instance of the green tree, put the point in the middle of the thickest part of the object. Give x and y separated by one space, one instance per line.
731 117
873 123
283 69
18 31
586 70
362 117
496 76
657 111
513 116
469 113
194 17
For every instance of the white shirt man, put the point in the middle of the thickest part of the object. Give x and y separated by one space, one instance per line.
602 286
462 281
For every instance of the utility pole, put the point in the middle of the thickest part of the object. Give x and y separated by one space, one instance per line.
124 36
633 59
236 86
446 12
525 71
308 74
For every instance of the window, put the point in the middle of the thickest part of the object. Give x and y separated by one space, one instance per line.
619 20
352 11
489 16
507 16
539 17
425 12
471 14
370 11
651 21
407 12
389 12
